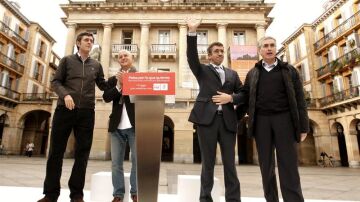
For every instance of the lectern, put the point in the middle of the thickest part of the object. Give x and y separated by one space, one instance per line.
148 91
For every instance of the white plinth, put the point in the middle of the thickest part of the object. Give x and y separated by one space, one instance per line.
101 187
188 188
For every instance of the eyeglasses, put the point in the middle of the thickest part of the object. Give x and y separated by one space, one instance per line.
271 45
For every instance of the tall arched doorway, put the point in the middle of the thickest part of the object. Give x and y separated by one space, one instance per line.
196 146
342 145
36 130
354 130
357 127
3 119
167 151
245 144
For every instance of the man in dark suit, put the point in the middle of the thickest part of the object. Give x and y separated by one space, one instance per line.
214 115
121 129
278 120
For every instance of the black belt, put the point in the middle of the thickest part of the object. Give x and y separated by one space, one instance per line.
219 112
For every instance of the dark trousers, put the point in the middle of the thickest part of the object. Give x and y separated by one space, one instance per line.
82 122
208 138
277 132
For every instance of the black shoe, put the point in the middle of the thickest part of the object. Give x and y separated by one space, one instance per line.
77 199
47 199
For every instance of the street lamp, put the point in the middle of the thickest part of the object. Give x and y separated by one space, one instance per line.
358 126
339 129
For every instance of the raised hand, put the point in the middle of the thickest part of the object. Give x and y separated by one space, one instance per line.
192 24
119 76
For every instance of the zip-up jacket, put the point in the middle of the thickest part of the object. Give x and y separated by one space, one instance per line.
77 78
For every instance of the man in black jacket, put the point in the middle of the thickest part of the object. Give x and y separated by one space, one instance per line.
278 120
121 129
214 115
74 83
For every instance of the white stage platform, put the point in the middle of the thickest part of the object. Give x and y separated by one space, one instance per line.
32 194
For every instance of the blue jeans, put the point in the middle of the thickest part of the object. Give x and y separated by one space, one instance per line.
118 146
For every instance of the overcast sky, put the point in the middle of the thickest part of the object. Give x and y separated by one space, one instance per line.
288 16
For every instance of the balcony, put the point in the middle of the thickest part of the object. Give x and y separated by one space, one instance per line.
11 34
340 96
53 65
11 64
163 52
311 103
36 97
340 64
9 94
194 93
132 48
344 28
202 51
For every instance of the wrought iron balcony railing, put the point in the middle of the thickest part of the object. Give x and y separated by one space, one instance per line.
132 48
340 96
202 49
311 102
11 63
338 31
36 97
350 58
12 34
163 48
7 92
194 93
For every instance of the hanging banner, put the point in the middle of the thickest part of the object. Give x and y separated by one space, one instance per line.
243 58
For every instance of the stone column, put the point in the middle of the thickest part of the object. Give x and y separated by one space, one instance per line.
70 39
106 48
182 53
222 39
260 31
144 48
351 143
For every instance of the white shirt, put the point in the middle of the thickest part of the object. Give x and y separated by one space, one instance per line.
124 120
269 67
81 57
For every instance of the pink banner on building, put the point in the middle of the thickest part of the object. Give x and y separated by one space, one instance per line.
243 58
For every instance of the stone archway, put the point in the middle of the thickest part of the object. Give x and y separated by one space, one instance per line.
307 149
244 143
339 131
358 134
4 119
167 151
35 130
355 131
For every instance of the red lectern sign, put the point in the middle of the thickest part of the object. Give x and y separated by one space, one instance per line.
149 83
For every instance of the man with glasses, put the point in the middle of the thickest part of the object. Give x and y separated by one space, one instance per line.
277 120
214 114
